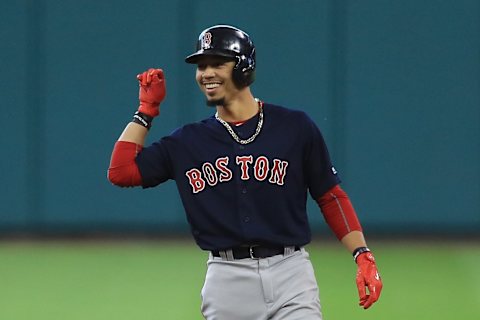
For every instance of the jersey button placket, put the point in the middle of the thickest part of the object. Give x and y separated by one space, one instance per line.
242 187
244 191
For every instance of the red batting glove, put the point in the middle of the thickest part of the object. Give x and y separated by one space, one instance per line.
368 277
152 91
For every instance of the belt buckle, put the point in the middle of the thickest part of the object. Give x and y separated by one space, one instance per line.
250 250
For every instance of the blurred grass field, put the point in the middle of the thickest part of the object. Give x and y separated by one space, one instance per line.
162 280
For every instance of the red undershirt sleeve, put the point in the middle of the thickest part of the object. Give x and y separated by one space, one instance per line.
123 170
339 212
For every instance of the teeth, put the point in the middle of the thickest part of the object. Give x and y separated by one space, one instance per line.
212 85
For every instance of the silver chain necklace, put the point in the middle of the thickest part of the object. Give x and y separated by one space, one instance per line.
234 135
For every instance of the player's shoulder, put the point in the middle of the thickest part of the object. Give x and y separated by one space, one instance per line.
194 128
291 113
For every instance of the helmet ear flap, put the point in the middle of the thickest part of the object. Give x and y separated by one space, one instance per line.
244 70
243 77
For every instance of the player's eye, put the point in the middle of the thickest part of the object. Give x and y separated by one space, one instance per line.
216 64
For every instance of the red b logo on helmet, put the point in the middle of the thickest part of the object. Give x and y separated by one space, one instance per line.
207 40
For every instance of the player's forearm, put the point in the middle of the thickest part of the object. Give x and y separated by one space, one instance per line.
135 133
353 240
338 212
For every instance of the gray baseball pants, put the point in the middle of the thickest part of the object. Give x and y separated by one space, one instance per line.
281 287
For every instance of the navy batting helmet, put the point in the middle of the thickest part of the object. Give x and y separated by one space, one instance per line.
230 42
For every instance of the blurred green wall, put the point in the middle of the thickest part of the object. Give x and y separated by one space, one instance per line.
393 85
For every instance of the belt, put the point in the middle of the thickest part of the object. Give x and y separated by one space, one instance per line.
254 252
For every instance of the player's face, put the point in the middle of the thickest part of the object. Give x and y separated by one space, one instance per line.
214 77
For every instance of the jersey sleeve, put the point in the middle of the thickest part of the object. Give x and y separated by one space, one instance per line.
321 175
155 164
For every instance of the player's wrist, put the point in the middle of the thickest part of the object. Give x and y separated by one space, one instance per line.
358 251
143 119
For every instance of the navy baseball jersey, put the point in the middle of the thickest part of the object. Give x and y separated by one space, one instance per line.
236 194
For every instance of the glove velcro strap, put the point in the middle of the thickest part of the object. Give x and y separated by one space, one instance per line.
143 119
358 252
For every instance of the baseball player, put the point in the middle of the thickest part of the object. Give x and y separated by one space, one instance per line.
244 175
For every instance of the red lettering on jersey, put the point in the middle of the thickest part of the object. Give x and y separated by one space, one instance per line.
195 179
279 172
261 168
244 161
210 173
225 173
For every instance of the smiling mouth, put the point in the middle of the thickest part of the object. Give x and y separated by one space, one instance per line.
211 86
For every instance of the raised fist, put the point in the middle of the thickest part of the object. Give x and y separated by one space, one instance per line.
152 91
